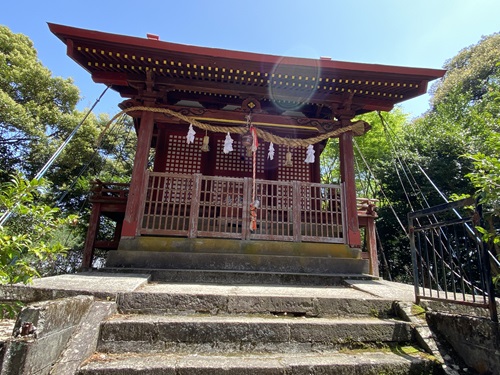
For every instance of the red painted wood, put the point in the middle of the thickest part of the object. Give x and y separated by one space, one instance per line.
96 51
161 150
296 214
367 221
348 178
136 192
108 58
118 231
195 206
246 59
371 241
245 221
88 250
110 78
315 167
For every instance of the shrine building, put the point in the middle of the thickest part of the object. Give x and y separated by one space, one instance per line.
226 173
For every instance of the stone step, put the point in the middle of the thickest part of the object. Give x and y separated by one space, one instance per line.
224 334
163 298
237 246
332 363
242 277
236 262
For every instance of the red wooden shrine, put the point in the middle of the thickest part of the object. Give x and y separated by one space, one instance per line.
192 194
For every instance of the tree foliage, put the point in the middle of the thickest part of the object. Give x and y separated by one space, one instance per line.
457 138
34 106
37 114
471 72
29 239
486 178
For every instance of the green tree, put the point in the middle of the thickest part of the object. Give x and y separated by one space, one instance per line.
470 72
37 114
373 147
469 100
29 238
464 120
34 106
486 179
378 159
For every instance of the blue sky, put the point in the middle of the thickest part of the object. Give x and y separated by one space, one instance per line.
422 33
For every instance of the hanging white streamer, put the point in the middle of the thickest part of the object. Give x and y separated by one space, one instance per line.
309 154
228 144
270 154
190 135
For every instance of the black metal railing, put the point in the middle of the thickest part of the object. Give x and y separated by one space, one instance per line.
450 261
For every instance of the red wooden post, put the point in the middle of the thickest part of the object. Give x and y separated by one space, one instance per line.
296 212
195 206
348 178
316 168
245 211
136 191
88 250
118 231
161 151
371 241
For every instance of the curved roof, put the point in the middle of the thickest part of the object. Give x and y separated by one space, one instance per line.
142 68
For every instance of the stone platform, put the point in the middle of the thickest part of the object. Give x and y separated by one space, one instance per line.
110 284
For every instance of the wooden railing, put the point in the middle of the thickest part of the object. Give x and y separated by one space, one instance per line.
107 192
205 206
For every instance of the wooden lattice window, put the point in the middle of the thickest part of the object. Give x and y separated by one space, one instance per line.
237 163
182 157
300 171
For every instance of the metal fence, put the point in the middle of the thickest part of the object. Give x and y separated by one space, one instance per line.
450 261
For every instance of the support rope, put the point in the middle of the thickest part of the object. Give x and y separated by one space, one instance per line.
85 167
415 187
357 127
5 216
380 186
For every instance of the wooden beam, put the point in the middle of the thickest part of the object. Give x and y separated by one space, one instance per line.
126 81
110 78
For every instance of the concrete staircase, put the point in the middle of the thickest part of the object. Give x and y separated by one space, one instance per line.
189 328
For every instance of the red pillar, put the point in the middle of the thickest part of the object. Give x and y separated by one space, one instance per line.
348 178
161 151
88 250
131 223
368 222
